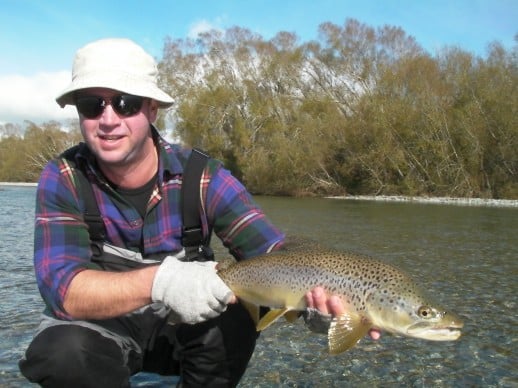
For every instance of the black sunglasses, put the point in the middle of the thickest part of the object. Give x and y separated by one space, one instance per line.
125 105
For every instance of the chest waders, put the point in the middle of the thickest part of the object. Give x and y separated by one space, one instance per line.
109 257
212 353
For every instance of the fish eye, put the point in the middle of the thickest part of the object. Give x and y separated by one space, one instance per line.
425 312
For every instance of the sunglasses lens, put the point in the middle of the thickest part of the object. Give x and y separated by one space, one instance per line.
90 106
126 104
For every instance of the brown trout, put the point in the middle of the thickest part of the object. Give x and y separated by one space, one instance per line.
375 294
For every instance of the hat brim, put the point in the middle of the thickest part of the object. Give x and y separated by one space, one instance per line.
116 81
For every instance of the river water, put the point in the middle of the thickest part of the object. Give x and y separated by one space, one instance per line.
466 255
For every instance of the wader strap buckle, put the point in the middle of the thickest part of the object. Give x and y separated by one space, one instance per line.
192 237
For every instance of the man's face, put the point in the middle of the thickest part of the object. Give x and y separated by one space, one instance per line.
117 139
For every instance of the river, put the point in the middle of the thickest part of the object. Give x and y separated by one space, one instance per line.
466 255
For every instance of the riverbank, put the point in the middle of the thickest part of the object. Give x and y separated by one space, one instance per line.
384 198
20 184
434 200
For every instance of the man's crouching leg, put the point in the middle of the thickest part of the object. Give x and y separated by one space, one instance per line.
74 356
216 353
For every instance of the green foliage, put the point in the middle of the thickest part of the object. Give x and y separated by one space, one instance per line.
360 110
24 152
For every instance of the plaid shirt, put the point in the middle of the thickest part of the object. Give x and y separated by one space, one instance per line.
61 239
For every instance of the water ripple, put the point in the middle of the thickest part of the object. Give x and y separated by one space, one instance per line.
468 256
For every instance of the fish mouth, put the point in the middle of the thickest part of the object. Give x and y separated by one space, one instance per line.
436 331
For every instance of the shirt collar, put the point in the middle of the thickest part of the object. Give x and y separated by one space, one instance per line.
169 163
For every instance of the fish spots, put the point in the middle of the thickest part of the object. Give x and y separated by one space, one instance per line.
364 284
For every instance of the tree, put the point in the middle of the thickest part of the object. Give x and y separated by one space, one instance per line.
23 158
360 109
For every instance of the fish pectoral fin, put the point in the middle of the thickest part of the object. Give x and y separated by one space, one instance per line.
345 332
270 317
252 309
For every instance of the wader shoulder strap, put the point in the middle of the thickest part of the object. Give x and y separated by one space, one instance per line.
192 233
92 215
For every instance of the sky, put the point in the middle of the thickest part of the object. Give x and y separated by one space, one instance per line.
38 38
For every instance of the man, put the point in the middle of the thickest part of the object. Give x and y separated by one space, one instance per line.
134 303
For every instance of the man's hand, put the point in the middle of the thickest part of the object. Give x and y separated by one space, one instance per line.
318 299
192 290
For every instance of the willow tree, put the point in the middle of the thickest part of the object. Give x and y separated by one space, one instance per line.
359 109
23 156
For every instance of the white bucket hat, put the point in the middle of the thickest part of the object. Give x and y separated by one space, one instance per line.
118 64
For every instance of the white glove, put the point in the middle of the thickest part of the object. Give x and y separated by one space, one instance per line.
192 290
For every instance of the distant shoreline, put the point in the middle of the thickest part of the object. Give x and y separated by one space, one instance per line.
22 184
434 200
383 198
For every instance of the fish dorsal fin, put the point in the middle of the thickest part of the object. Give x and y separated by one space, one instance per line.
270 317
225 263
345 332
301 244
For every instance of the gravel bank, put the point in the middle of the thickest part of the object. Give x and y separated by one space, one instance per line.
29 184
435 200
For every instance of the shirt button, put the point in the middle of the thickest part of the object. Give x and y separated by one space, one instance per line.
136 223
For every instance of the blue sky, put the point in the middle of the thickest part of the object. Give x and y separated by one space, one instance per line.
38 38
